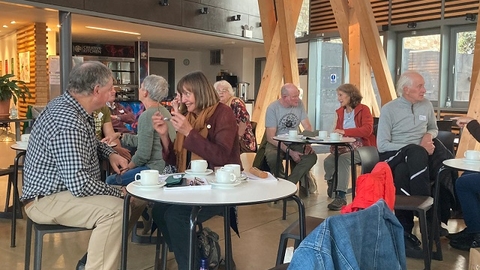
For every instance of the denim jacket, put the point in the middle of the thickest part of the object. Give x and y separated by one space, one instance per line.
367 239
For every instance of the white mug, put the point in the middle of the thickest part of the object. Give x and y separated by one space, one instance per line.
225 175
199 165
147 177
472 155
293 134
322 134
335 136
235 168
25 137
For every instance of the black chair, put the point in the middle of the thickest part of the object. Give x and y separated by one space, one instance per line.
40 231
369 158
375 125
444 125
420 205
448 139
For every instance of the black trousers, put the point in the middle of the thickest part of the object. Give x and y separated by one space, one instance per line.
410 172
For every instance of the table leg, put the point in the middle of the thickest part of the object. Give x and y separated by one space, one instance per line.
277 169
335 173
16 207
434 231
193 236
353 169
18 134
301 216
126 216
228 239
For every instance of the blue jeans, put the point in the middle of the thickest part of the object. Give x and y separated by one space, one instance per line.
468 190
367 239
126 178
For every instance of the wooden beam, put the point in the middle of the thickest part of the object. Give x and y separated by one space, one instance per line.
287 26
272 78
376 54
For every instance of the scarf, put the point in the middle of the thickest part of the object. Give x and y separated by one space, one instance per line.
198 123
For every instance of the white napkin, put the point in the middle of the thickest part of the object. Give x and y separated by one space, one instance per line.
253 177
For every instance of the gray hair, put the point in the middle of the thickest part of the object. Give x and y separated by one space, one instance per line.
156 86
405 80
84 77
224 85
286 87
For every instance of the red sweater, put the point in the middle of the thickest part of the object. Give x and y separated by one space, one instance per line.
363 122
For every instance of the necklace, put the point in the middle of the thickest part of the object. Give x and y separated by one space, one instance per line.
348 115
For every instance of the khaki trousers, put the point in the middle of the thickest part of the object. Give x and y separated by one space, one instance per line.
102 213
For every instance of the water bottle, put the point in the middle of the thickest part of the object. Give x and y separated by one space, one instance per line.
448 103
203 264
13 113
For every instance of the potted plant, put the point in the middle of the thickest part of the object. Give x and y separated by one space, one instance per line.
11 88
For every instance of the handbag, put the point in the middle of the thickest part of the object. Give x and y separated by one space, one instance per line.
344 149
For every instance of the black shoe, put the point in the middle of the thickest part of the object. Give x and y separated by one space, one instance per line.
459 235
82 262
337 204
411 241
330 188
444 232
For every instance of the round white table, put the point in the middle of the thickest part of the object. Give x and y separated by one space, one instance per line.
345 141
463 164
247 193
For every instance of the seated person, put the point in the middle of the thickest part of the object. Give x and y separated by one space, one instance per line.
61 174
285 114
120 116
353 120
245 132
208 131
468 190
104 128
406 129
148 156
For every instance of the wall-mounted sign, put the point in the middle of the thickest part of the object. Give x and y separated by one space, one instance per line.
103 50
333 78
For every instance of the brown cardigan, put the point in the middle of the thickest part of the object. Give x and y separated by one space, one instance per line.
221 145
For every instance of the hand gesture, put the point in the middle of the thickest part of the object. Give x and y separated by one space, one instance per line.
118 163
462 121
180 123
159 124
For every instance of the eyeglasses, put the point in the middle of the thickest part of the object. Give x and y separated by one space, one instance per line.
222 91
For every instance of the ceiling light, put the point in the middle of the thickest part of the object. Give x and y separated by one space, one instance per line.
5 26
58 26
113 30
13 22
48 29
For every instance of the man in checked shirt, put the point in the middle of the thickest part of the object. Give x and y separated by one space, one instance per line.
62 173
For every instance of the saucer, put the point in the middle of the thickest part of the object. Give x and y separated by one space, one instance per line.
139 185
225 185
22 143
207 172
242 177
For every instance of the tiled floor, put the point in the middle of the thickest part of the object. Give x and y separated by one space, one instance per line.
260 228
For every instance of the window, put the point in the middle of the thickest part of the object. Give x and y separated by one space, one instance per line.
420 51
461 61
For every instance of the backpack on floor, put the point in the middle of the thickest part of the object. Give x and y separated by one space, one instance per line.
209 248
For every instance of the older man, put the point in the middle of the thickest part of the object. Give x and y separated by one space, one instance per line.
406 129
285 114
62 176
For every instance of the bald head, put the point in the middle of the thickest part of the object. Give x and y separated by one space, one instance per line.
290 95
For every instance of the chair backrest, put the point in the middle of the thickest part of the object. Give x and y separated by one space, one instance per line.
445 125
448 139
375 125
369 158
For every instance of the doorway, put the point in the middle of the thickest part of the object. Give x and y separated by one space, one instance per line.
164 67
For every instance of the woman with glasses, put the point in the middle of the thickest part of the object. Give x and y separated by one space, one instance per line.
245 132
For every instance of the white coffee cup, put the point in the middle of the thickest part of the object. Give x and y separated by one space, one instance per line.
235 168
225 175
199 165
293 134
472 155
147 177
25 137
322 134
335 136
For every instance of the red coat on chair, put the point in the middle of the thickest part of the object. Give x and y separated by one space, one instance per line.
371 187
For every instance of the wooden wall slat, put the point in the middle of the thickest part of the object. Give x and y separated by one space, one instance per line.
403 11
